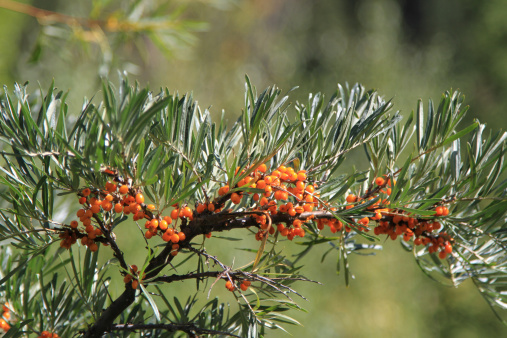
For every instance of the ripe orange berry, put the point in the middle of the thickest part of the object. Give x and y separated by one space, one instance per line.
139 198
187 212
175 213
118 208
175 238
262 168
73 225
448 248
150 207
95 208
80 213
124 189
243 287
364 221
351 198
310 188
442 254
86 192
82 200
148 234
445 211
107 206
181 236
168 219
93 247
439 211
235 198
166 237
380 181
163 225
301 176
135 284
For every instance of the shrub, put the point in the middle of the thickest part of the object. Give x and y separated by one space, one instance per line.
155 168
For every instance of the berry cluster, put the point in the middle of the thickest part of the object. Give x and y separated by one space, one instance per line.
101 205
6 315
243 286
394 223
286 192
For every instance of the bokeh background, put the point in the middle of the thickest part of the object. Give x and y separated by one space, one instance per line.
407 49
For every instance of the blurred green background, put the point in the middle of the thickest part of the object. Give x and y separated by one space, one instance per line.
405 49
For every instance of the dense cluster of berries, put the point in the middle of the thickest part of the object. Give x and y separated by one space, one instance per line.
47 334
101 205
6 315
394 223
285 191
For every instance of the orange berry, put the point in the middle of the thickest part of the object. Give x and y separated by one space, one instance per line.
150 207
445 211
235 198
107 206
439 211
175 238
351 198
243 287
187 212
139 198
229 285
262 168
118 208
175 213
310 188
168 219
148 234
86 192
380 181
135 284
166 237
93 247
448 248
124 189
301 176
73 225
163 225
442 254
181 236
95 209
364 221
82 200
80 213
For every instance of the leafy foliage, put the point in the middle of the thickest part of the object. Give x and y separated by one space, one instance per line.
166 147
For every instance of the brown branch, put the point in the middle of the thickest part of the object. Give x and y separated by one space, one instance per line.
45 15
199 226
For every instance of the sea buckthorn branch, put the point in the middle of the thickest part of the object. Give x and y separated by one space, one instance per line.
189 328
276 191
